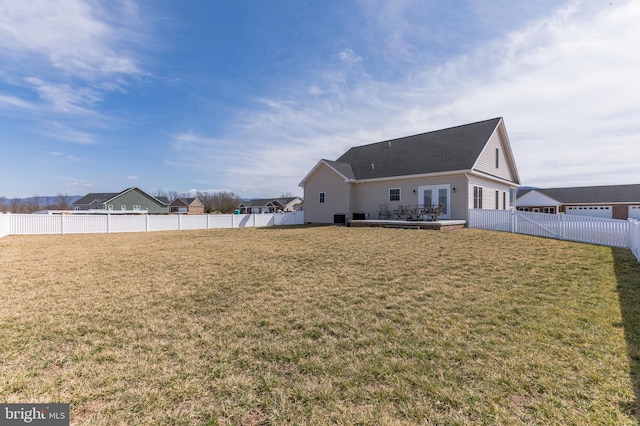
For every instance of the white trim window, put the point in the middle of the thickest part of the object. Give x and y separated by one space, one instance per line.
323 197
394 194
137 207
477 197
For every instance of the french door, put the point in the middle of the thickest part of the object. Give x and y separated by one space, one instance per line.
435 194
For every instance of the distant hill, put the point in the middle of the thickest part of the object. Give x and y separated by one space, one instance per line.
46 200
31 204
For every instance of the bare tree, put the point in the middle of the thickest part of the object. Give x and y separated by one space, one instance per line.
287 195
33 204
63 202
220 202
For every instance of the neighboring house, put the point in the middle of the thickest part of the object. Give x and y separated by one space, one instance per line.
463 167
131 200
186 206
271 205
612 201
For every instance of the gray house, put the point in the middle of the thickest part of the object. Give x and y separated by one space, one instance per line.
463 167
130 201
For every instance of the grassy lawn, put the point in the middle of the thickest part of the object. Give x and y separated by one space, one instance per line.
321 325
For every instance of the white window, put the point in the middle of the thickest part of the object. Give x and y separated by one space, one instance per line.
477 197
110 207
394 194
137 208
123 207
322 197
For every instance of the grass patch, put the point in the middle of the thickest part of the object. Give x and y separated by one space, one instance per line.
320 325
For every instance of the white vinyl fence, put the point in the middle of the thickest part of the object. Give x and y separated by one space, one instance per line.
29 224
593 230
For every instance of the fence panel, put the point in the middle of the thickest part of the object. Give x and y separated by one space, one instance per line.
35 224
17 224
593 230
193 222
220 221
5 225
84 224
163 222
127 223
634 238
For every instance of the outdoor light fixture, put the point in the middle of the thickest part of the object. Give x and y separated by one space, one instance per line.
454 189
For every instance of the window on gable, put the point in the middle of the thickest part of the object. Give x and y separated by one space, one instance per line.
477 197
497 158
322 197
394 194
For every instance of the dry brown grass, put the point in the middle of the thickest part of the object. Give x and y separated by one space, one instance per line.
319 325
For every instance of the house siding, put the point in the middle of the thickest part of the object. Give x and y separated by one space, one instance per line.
369 195
337 196
487 160
135 197
489 188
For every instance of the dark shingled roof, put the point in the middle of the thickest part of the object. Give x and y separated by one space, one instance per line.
100 197
455 148
592 194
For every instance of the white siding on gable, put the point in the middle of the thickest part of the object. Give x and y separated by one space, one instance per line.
487 161
535 198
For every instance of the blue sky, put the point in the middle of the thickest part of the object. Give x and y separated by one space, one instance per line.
246 96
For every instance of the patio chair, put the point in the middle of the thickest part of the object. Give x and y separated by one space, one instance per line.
383 212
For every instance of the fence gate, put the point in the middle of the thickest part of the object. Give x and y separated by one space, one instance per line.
593 230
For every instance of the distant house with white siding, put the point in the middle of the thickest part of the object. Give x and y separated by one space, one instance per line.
270 205
463 167
608 201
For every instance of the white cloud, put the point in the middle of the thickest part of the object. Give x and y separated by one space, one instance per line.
76 37
566 86
15 102
59 58
348 56
64 132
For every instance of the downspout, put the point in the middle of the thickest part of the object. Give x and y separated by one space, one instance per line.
466 175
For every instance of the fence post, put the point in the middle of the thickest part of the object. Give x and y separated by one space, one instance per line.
108 223
62 224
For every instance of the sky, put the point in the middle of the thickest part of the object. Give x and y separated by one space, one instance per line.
247 96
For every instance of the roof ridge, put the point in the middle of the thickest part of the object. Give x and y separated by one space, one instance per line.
425 133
